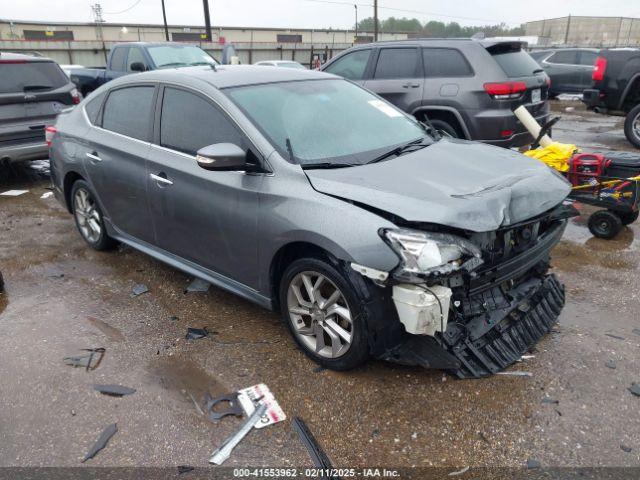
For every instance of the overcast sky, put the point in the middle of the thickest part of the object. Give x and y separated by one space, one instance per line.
312 13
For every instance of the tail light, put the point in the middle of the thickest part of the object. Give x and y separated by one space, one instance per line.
505 90
598 72
75 96
13 61
49 132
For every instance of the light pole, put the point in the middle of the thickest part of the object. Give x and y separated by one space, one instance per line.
375 20
355 40
164 17
207 20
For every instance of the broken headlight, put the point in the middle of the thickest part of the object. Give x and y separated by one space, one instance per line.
427 253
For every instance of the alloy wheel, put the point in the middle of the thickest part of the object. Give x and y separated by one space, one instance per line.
636 126
87 215
320 315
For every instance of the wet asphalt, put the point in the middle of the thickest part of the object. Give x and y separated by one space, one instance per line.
61 297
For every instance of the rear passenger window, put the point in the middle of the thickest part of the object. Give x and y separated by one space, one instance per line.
588 58
128 111
397 63
351 66
93 108
569 57
189 122
445 62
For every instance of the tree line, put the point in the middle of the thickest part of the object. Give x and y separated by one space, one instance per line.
437 29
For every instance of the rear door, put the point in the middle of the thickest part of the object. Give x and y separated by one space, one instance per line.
115 158
209 218
398 77
564 71
32 93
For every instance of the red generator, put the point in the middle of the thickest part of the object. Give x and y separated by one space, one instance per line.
587 168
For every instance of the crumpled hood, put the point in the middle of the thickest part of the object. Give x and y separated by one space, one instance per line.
456 183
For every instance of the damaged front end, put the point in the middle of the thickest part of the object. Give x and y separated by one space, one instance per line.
472 303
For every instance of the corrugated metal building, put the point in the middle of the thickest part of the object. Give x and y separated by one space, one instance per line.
580 31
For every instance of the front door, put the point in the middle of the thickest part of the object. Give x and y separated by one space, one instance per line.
208 218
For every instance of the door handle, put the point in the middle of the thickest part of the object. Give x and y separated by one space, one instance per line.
160 179
411 85
93 156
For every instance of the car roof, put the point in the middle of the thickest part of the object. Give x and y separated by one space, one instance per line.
22 57
229 75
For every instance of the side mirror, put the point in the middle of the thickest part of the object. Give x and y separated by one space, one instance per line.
138 67
222 157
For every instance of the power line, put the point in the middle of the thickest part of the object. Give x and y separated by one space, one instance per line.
403 10
125 10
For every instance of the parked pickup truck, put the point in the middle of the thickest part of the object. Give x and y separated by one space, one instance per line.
126 58
616 89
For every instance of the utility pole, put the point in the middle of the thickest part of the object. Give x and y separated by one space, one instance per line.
164 17
97 16
566 33
207 20
375 20
355 39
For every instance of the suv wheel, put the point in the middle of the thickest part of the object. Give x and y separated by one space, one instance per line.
324 314
632 126
445 127
88 217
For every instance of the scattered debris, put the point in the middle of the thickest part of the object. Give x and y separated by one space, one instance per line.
14 193
139 289
46 195
484 437
318 457
185 469
533 463
223 451
625 448
249 397
86 361
319 369
196 333
617 337
516 374
102 441
610 364
459 472
550 400
198 285
114 390
635 389
197 405
235 408
527 357
636 331
174 318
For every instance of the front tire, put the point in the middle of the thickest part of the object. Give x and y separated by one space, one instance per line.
324 314
445 127
604 224
632 126
88 217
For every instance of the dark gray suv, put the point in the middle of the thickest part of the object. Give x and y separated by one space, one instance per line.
303 192
467 88
33 91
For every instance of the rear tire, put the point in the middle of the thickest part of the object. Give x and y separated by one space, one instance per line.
605 224
333 335
632 126
88 217
628 218
445 127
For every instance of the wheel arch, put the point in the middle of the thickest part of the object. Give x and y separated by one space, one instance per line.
69 179
631 94
445 113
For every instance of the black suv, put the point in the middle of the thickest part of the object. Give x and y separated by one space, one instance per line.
33 90
467 88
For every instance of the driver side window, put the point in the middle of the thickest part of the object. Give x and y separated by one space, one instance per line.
351 66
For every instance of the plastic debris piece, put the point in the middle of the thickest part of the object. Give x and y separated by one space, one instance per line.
533 463
46 195
13 193
610 364
184 469
550 400
625 448
250 396
196 333
102 441
198 285
114 390
174 318
139 289
516 374
223 451
459 472
617 337
90 361
197 405
318 457
635 389
235 408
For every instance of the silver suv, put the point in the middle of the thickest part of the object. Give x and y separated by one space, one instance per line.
467 88
303 192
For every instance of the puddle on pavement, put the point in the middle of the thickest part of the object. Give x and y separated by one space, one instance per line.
182 376
110 332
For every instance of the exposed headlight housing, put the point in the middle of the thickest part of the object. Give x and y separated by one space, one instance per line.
432 253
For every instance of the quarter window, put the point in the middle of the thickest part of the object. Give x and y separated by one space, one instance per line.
93 108
445 62
128 111
351 66
189 122
397 63
588 58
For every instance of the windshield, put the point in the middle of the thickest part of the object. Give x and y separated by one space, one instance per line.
30 76
179 55
290 65
332 121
